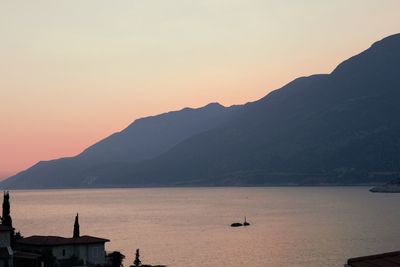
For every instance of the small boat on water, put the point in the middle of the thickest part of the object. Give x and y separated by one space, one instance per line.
245 222
237 224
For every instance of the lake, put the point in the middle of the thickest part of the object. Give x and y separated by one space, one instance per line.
290 226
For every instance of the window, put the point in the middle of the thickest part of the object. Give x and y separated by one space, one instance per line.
63 252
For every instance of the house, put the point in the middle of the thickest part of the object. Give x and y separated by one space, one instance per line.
87 250
391 259
6 253
90 250
26 259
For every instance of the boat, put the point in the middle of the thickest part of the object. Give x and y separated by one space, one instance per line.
245 222
236 224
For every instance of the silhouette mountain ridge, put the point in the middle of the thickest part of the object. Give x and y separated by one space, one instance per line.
335 128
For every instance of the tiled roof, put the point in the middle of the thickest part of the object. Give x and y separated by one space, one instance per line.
391 259
37 240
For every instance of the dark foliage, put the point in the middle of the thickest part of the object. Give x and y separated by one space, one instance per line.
116 259
137 261
6 217
76 226
18 236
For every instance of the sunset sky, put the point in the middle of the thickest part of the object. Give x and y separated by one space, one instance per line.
73 72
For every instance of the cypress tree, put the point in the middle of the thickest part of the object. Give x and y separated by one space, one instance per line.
6 217
137 261
76 227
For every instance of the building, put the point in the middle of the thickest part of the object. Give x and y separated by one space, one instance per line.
391 259
6 253
41 251
88 249
26 259
66 251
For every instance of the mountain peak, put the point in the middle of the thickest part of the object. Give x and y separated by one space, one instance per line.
383 53
214 105
390 40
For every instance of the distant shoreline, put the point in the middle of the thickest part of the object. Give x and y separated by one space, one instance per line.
199 187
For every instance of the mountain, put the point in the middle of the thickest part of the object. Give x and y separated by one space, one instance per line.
337 128
143 139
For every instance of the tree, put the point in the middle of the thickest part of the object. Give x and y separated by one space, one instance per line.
6 217
76 227
18 236
116 259
137 261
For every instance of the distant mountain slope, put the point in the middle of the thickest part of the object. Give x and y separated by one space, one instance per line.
338 128
143 139
341 127
151 136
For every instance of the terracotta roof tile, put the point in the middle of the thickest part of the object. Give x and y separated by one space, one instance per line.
37 240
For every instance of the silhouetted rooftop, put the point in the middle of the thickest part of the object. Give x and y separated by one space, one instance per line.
391 259
37 240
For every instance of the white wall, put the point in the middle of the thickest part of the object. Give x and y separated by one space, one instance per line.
96 254
92 253
58 252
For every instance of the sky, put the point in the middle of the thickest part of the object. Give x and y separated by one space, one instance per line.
73 72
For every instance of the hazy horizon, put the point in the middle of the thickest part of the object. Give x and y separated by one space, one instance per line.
75 73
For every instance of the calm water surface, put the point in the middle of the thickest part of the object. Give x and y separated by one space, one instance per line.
302 226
